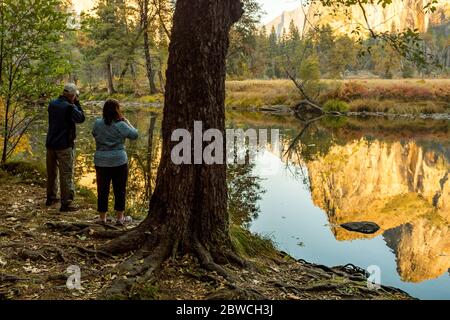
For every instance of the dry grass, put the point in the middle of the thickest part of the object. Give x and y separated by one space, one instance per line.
398 107
405 89
257 93
395 96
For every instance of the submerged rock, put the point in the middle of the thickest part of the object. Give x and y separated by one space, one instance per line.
361 227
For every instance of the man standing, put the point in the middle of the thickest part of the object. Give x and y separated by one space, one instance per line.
63 115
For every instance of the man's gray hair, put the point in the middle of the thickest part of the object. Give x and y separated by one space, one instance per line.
71 88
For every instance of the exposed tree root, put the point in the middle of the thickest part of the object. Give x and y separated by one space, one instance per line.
89 229
32 255
10 278
143 265
127 242
236 293
207 277
5 233
207 261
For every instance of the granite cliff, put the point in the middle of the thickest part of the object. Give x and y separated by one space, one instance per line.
398 16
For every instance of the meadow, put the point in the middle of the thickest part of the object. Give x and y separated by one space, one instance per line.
373 95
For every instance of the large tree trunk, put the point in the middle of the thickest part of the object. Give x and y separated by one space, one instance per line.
148 56
188 209
109 77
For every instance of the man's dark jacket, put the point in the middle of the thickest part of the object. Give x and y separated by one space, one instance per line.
62 117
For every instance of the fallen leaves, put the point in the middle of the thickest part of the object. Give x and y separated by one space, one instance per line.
33 270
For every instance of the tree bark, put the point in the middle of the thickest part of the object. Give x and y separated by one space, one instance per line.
162 82
148 56
122 76
109 77
5 133
188 209
148 173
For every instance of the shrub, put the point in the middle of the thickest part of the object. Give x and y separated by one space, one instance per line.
29 172
353 90
334 121
151 99
334 105
119 97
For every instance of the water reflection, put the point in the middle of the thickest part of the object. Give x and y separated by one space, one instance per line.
394 173
402 184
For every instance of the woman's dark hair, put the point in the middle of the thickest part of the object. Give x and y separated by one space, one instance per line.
111 111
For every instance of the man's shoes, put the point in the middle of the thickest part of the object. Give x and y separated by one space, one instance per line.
51 202
68 208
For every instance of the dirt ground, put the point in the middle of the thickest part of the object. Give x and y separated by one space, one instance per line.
38 245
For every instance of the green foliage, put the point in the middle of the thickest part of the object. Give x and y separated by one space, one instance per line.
252 245
385 54
31 62
336 105
244 192
152 99
334 121
310 68
247 43
109 33
112 48
407 70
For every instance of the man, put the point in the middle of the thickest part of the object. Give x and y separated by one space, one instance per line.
63 115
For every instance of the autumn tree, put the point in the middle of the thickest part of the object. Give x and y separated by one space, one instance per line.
30 63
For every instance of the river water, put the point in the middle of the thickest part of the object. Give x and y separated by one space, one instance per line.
391 172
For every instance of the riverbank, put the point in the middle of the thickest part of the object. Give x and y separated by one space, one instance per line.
415 97
39 244
407 96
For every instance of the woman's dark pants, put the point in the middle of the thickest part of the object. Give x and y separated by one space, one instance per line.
118 176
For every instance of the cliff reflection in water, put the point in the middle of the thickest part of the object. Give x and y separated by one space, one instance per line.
401 184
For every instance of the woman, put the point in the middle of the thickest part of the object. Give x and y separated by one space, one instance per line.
111 161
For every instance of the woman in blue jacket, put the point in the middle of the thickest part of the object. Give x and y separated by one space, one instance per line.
111 161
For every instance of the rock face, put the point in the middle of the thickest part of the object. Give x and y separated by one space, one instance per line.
281 23
398 16
401 186
422 250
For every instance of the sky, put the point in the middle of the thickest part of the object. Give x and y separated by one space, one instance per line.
272 8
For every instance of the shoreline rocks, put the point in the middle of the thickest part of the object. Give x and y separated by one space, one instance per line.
361 227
